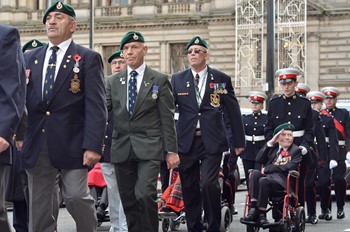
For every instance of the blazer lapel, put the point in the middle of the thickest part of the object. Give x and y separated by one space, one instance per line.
36 75
66 69
145 88
208 90
120 86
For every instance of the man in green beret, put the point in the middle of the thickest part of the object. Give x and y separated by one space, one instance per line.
143 133
117 61
202 93
278 157
67 116
32 44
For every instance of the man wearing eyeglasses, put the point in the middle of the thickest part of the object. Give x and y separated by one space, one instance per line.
201 94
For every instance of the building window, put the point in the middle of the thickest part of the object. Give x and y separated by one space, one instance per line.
108 51
178 58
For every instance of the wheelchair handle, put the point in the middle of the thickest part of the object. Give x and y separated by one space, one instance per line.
294 173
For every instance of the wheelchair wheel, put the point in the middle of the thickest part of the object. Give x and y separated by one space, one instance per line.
252 228
165 224
174 225
225 219
299 220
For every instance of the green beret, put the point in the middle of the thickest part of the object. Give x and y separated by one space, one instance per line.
31 44
197 41
284 126
131 36
59 6
117 54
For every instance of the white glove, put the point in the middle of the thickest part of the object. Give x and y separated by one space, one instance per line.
348 156
333 164
303 150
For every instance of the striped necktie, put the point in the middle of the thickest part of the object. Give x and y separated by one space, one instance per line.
50 74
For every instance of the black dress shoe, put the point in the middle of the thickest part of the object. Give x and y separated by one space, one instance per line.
252 215
340 214
262 218
311 219
101 212
325 215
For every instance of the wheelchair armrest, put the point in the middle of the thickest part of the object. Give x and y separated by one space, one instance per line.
294 173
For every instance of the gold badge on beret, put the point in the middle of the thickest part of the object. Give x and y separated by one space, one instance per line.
196 41
59 5
121 55
284 76
135 37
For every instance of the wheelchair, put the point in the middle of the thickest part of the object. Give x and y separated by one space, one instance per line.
287 214
172 220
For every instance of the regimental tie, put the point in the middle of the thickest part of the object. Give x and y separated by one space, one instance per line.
196 86
50 74
132 91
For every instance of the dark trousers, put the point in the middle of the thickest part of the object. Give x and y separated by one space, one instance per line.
247 165
324 184
307 184
261 187
20 216
338 178
200 186
137 183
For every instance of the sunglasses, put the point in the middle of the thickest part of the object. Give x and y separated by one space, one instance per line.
196 51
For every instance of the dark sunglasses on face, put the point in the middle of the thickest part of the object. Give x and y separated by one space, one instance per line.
196 51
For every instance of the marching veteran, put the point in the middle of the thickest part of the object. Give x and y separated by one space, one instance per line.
67 116
142 105
201 94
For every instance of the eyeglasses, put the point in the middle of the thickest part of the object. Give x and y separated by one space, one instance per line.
196 51
118 62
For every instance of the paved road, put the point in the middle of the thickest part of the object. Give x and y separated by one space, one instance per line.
66 223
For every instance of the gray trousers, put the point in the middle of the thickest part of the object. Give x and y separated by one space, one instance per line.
4 222
42 182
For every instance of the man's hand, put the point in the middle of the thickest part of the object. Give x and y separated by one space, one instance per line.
3 144
274 139
348 156
19 145
303 150
172 160
239 150
91 158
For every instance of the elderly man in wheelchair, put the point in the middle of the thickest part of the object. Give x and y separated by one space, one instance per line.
279 156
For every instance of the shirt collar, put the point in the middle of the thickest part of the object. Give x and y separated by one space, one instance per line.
63 46
140 70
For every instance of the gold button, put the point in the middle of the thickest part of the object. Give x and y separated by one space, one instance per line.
48 113
43 130
106 136
289 113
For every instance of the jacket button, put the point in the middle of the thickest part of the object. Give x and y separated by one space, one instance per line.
48 113
43 130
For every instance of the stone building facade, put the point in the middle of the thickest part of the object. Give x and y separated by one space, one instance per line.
168 24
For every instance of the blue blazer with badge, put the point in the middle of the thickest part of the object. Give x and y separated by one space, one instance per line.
212 125
12 86
71 122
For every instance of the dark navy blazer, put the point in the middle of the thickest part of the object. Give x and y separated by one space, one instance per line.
211 120
71 122
12 86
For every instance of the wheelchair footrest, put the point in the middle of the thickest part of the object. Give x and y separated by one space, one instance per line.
273 224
